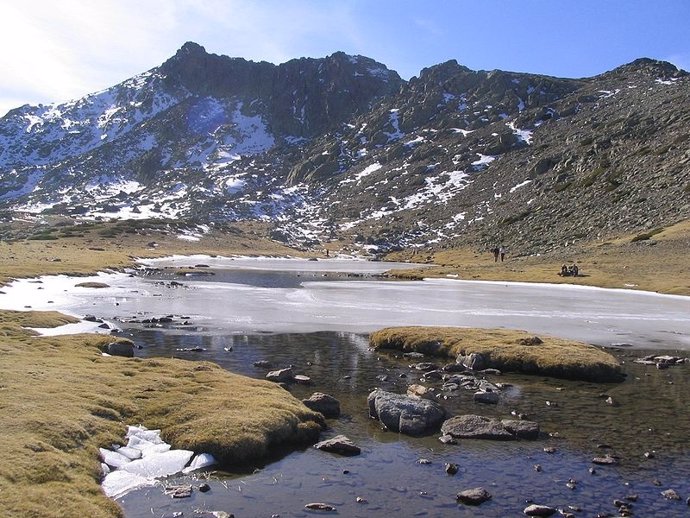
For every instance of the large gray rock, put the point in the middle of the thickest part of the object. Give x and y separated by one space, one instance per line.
125 349
522 429
489 398
480 427
539 510
476 427
408 415
281 375
323 403
473 361
474 496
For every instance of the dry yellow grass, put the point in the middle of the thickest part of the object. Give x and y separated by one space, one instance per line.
505 350
658 264
61 400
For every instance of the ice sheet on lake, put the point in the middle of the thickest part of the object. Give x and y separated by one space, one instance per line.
594 315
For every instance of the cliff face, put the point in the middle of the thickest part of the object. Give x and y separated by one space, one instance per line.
341 147
300 98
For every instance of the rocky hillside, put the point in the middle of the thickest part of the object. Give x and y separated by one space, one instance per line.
341 148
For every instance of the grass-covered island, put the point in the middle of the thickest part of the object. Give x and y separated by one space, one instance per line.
506 350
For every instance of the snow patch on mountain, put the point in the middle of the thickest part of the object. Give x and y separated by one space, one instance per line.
394 121
482 162
363 174
522 134
518 186
229 134
57 132
440 188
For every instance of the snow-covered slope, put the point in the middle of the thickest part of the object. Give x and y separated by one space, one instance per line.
43 135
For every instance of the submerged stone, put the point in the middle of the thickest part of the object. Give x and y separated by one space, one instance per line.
323 403
339 444
474 496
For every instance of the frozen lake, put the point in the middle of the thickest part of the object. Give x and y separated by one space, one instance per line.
223 295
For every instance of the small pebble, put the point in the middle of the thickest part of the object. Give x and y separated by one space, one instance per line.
670 494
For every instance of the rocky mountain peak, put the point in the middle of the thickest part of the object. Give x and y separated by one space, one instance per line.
207 74
647 68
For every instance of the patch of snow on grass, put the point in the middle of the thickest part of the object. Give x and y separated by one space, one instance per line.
145 458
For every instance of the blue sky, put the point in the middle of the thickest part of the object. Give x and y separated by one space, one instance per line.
57 50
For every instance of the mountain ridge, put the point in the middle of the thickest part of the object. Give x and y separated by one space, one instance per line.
342 148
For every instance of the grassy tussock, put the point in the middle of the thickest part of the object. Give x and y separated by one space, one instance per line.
61 400
554 357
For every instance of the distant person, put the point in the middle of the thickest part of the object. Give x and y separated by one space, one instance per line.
495 251
502 251
564 271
